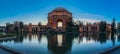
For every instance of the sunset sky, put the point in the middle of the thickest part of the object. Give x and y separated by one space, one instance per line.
35 11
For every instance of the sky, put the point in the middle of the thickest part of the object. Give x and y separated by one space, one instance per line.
36 11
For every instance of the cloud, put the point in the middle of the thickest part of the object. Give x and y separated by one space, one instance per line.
84 20
27 18
89 20
90 16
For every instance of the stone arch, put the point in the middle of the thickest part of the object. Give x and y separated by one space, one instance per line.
59 21
59 15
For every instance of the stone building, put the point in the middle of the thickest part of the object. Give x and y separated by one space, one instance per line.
35 28
93 27
59 15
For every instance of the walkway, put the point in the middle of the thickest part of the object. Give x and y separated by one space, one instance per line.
7 50
2 51
114 50
117 51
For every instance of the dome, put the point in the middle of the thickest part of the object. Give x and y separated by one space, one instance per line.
59 9
59 12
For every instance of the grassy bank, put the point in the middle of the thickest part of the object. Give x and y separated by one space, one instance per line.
7 34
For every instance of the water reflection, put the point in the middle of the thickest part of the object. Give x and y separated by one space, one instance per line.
63 43
100 37
118 34
60 43
113 38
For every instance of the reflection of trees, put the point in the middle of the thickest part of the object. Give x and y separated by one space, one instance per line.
8 40
30 36
80 37
102 38
66 43
25 35
113 38
39 37
94 36
19 38
90 36
118 34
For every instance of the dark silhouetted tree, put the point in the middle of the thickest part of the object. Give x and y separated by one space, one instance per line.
16 29
72 26
1 30
102 26
113 25
8 28
69 26
21 26
39 24
118 26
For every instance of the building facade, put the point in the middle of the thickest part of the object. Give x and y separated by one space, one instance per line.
54 17
59 15
95 27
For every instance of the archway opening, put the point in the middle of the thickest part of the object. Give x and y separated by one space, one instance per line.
60 24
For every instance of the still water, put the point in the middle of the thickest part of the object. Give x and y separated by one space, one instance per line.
82 43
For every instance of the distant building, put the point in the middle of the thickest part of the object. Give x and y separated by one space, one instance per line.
93 27
35 28
10 27
2 28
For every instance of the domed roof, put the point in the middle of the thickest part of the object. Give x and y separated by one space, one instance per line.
59 12
60 9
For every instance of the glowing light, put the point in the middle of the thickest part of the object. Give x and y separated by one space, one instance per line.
59 40
59 24
87 41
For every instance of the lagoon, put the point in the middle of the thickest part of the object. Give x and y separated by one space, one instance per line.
66 43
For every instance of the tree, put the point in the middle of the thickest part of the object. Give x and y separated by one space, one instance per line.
113 25
102 26
39 24
76 26
118 26
16 29
72 26
69 26
21 26
80 23
8 28
1 30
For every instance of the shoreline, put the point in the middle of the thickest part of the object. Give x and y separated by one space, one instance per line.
14 51
8 49
109 50
7 38
11 50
